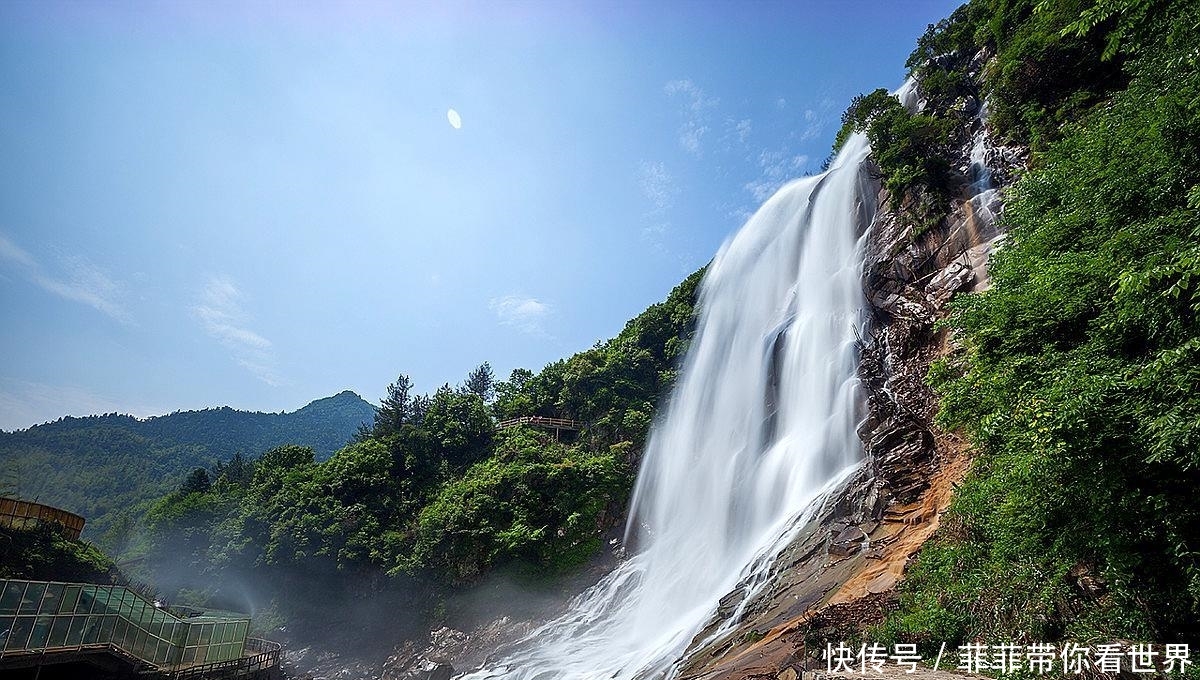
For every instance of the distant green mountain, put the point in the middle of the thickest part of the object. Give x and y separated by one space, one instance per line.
98 466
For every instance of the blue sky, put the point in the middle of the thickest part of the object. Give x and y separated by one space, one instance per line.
259 204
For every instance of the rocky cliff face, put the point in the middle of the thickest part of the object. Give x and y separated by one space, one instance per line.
842 571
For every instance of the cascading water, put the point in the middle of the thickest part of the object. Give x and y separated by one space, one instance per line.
985 198
761 423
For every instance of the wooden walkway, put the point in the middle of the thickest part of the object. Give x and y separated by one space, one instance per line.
540 421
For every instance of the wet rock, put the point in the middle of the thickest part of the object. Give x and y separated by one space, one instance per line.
430 670
902 302
452 651
306 663
434 662
947 282
844 549
851 535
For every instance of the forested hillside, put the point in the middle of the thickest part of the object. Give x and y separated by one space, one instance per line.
1071 383
433 490
102 467
1075 376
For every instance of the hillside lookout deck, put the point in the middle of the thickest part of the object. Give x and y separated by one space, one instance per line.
556 424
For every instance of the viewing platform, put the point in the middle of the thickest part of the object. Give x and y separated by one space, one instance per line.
46 624
18 514
556 424
540 421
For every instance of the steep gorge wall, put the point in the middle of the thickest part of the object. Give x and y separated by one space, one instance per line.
844 568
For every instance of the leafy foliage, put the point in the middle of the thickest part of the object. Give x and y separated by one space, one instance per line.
615 386
1053 60
535 502
911 149
1077 378
482 382
43 554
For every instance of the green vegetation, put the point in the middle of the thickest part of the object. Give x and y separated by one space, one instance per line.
1075 379
105 467
535 501
1077 376
43 554
1053 62
432 490
911 149
614 386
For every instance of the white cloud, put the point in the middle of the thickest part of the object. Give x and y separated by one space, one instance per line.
220 313
761 189
740 215
691 136
777 168
742 128
695 98
656 231
656 235
523 313
814 125
77 280
696 109
658 186
660 190
13 253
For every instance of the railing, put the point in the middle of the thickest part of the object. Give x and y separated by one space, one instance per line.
19 514
262 658
540 421
40 617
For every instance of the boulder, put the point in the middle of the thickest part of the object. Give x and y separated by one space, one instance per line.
942 287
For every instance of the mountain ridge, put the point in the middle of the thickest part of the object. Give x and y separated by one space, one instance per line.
344 394
101 465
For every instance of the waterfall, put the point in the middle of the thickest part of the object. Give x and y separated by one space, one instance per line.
985 198
761 423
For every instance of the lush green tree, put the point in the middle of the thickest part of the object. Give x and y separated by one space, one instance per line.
612 388
42 553
237 471
512 398
536 502
197 482
180 528
282 459
481 381
461 426
396 408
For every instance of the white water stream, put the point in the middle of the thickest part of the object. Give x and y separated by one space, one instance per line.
761 423
985 197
